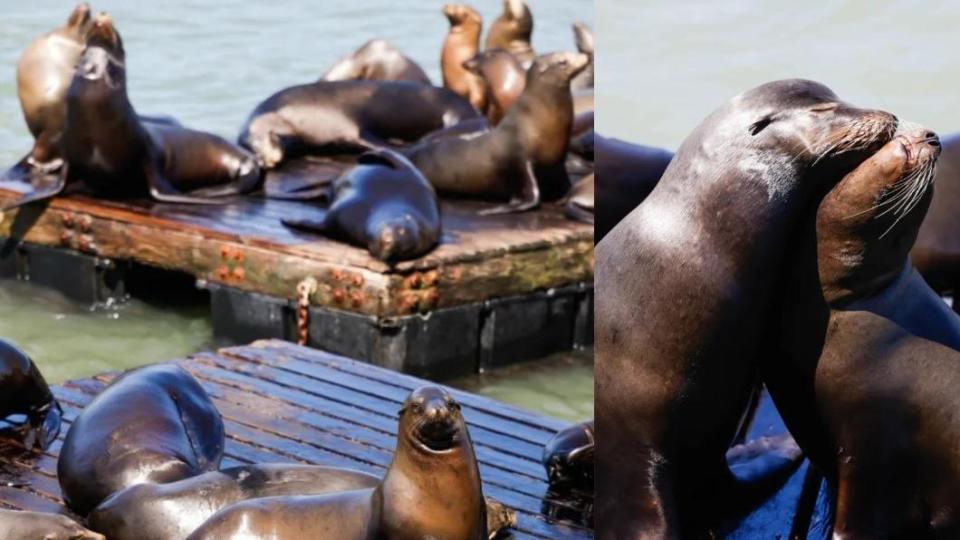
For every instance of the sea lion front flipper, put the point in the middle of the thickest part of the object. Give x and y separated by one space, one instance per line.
315 223
43 426
528 200
578 213
499 517
46 192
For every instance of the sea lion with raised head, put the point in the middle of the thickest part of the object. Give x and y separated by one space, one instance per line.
584 40
383 204
511 31
23 391
523 157
111 150
19 525
569 456
432 489
502 78
461 44
44 72
339 116
377 60
686 284
867 370
155 424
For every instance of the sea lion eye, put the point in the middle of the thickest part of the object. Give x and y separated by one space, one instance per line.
761 124
826 107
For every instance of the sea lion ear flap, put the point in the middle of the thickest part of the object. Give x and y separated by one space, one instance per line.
762 123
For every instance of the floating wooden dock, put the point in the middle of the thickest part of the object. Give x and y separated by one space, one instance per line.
283 403
496 290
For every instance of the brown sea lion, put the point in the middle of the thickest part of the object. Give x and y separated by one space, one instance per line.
383 204
867 372
461 44
155 424
340 116
23 391
377 60
936 253
686 284
44 73
432 489
110 149
521 157
503 80
584 40
511 31
18 525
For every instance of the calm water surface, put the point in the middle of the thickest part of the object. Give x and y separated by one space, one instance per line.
209 64
663 66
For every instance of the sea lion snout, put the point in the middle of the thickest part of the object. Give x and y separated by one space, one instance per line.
80 16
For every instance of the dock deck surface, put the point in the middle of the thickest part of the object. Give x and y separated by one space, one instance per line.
284 403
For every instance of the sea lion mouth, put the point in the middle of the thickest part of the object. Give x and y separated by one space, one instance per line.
103 33
921 149
437 435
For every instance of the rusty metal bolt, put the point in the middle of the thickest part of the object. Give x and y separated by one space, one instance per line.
339 295
68 221
238 256
223 273
86 223
414 281
66 237
356 299
357 280
431 278
337 275
224 252
239 273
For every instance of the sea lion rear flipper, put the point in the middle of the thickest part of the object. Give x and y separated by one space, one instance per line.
316 222
20 172
162 190
528 200
43 193
578 213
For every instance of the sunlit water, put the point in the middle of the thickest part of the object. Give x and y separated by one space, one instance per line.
208 64
663 66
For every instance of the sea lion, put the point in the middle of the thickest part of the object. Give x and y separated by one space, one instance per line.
579 203
23 391
461 44
936 253
866 376
568 456
377 60
584 40
523 155
173 431
19 525
511 31
502 78
172 511
44 72
685 286
383 204
110 149
431 489
337 116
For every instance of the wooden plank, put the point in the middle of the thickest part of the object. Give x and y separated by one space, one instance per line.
303 406
244 245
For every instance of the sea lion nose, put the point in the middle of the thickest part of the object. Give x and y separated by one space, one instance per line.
436 411
932 139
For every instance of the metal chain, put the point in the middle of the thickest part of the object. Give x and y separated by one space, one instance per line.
304 289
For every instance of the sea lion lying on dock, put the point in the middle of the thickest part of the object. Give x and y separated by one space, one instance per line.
432 489
338 116
23 391
44 73
383 204
113 151
155 424
376 60
521 157
19 525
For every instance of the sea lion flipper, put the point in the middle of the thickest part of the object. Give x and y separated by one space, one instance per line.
529 196
43 193
317 222
578 213
162 190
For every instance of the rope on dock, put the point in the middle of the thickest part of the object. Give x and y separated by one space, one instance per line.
305 288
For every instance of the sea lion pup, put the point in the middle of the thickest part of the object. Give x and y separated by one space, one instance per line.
685 287
111 150
503 80
431 489
377 60
173 511
44 73
523 155
339 116
383 204
23 391
568 456
461 44
511 31
173 432
19 525
936 253
584 40
869 364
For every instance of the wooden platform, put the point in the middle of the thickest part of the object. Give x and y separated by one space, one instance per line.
244 246
283 403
